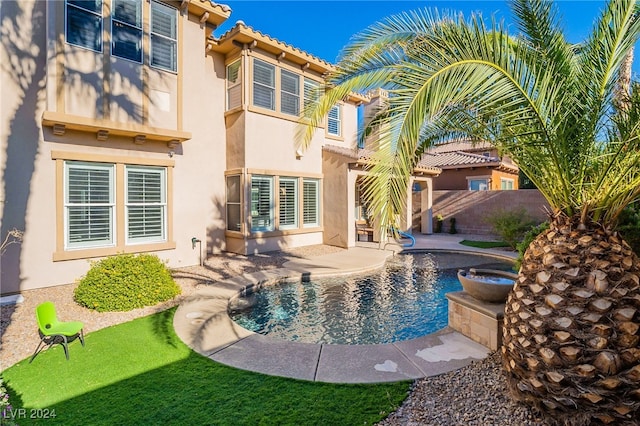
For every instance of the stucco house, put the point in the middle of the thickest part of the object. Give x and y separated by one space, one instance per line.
472 166
126 126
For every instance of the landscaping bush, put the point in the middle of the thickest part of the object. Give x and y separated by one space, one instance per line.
527 239
630 226
125 282
511 225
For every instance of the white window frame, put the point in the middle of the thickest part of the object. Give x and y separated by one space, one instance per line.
162 205
310 92
293 95
235 200
81 9
268 221
316 201
236 85
293 200
263 85
111 205
336 111
174 40
486 180
506 182
137 27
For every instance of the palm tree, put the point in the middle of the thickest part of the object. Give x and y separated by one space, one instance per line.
571 332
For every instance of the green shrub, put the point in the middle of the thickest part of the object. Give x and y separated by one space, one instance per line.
125 282
511 225
629 226
452 226
527 239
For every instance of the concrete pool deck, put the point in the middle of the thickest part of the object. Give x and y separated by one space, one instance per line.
202 322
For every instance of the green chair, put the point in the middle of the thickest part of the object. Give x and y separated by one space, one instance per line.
53 331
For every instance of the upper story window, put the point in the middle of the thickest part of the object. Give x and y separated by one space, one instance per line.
84 28
311 92
289 92
164 36
234 86
126 29
83 25
264 84
334 121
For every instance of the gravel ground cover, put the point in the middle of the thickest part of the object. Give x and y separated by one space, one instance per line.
474 395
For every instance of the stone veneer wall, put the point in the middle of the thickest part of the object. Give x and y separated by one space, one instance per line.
471 208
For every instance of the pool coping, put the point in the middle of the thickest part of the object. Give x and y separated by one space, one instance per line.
203 323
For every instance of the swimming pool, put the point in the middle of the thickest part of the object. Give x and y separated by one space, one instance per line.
402 301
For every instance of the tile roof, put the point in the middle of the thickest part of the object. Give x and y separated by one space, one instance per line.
460 159
462 145
363 156
241 27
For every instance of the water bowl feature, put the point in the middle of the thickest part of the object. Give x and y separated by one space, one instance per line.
487 285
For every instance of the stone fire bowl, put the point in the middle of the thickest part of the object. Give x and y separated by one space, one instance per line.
487 285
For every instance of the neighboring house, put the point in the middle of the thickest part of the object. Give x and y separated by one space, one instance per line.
476 167
127 128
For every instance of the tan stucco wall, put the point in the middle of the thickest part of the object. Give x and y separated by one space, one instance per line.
339 201
29 174
457 179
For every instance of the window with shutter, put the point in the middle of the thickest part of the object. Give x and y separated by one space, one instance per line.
311 92
146 204
164 39
234 213
126 29
83 25
264 84
289 92
261 203
234 86
333 121
288 203
88 205
311 202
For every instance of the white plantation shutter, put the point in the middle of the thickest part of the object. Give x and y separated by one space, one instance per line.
262 203
84 24
311 91
333 121
264 84
126 29
146 204
234 88
164 38
288 203
289 92
89 205
311 202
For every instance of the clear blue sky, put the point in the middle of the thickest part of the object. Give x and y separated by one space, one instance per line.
322 28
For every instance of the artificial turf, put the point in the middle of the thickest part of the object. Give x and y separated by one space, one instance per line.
483 244
140 373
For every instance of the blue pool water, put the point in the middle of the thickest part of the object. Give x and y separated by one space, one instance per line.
402 301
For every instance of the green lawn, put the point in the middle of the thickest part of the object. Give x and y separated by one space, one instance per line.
140 372
483 244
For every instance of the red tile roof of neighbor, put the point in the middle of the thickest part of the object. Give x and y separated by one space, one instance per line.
433 162
459 159
363 156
